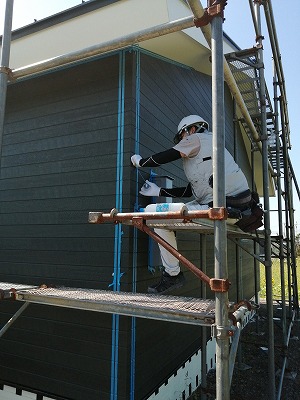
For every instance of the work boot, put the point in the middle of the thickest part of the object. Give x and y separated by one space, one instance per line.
167 283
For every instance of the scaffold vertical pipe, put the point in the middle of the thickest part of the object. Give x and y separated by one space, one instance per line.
239 296
220 248
279 205
204 328
277 62
268 260
4 64
289 207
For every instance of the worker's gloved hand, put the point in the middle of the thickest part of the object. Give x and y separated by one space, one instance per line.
150 189
135 159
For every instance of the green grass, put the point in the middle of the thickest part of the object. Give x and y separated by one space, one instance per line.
276 284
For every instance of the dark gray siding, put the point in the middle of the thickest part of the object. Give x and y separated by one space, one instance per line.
67 136
59 163
55 352
168 93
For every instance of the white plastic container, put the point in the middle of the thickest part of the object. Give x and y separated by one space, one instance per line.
165 207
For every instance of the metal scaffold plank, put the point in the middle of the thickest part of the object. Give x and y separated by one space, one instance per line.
8 290
16 286
186 310
166 220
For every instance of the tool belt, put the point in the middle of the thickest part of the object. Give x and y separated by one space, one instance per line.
242 201
246 208
252 217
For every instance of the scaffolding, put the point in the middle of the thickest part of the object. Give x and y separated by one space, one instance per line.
268 132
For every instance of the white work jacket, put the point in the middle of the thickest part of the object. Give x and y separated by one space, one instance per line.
197 164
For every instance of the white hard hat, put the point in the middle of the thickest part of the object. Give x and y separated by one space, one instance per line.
190 120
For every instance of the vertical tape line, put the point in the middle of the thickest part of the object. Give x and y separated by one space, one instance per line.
135 231
118 228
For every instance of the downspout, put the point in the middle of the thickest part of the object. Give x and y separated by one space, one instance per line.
118 229
4 65
135 230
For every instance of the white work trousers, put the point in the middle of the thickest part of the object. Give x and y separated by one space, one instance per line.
171 263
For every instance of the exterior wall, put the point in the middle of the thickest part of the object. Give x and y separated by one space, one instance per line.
59 162
59 147
169 91
66 151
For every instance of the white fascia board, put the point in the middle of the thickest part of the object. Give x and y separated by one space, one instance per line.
98 26
116 21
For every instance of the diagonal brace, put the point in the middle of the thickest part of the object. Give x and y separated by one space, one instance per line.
217 285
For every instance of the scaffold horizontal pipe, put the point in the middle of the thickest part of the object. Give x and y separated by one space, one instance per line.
115 44
98 217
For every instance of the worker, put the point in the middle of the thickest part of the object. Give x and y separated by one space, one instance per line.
193 144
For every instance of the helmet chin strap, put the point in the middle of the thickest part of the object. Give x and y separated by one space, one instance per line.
201 128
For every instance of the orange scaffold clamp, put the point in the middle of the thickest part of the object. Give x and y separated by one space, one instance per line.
215 8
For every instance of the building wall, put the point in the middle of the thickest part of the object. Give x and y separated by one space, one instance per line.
58 163
168 92
67 143
59 145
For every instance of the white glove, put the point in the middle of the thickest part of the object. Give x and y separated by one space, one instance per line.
150 189
135 159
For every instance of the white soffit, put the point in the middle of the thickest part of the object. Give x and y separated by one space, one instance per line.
188 47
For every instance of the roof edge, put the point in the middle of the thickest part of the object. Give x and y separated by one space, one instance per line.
62 16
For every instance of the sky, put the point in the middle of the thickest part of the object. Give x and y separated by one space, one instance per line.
238 25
